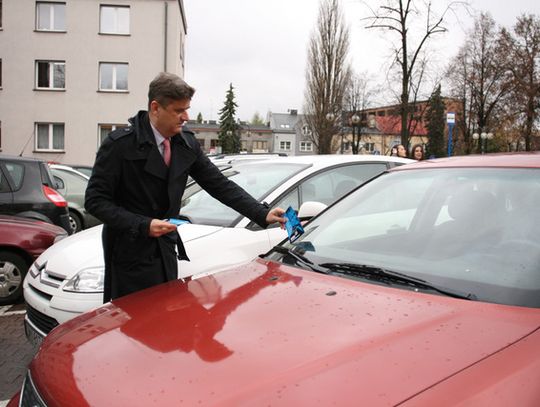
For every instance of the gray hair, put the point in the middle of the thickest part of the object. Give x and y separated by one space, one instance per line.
166 87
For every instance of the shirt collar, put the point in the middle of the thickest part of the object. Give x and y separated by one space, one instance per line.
157 135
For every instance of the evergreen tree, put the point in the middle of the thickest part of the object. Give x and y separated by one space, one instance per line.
199 118
228 128
436 123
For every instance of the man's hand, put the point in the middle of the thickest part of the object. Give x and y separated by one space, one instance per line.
160 227
276 215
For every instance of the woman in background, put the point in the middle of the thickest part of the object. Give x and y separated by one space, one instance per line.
417 152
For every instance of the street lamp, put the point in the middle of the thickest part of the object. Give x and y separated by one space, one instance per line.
355 121
483 137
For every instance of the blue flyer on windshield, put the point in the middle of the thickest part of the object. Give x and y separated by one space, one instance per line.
293 226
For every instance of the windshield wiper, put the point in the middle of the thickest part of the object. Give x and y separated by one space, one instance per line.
300 259
379 273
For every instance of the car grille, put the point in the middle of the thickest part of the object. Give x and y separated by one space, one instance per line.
41 321
30 397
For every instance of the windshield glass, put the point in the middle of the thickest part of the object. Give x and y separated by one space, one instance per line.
258 179
472 230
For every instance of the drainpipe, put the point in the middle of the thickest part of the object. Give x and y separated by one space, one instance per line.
166 18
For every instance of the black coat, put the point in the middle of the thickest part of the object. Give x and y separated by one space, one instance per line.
131 185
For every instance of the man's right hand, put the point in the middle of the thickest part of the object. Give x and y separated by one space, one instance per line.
160 227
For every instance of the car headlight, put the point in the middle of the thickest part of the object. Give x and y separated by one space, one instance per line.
89 280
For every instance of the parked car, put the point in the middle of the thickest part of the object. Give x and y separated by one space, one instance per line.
72 185
22 240
216 238
420 288
27 189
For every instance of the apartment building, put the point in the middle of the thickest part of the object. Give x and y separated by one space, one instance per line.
73 70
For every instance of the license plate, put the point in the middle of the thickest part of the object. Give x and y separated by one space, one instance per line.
32 335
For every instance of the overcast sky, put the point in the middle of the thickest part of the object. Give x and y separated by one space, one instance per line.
260 46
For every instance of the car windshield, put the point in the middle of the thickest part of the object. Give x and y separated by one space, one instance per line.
258 179
470 230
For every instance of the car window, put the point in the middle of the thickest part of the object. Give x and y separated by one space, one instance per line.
258 179
16 172
331 184
4 184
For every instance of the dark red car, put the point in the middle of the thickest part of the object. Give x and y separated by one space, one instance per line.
22 240
420 288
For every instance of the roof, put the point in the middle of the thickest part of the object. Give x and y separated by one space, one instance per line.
284 122
503 160
392 125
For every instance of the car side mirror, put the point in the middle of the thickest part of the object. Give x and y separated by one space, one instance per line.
310 209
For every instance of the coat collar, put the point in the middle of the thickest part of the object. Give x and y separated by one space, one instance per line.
182 156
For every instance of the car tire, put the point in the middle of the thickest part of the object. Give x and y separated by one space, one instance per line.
13 268
75 222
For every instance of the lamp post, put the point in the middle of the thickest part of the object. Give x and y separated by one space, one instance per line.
331 117
483 137
355 121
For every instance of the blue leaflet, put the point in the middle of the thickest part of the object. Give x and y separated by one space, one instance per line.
177 222
293 226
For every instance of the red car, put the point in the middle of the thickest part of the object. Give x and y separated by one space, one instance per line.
420 288
22 240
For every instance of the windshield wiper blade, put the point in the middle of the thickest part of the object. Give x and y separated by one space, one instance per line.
300 259
390 275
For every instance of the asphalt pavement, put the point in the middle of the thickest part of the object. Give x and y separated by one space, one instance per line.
15 351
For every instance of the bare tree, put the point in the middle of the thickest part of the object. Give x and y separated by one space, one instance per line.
358 96
477 75
328 73
396 16
522 50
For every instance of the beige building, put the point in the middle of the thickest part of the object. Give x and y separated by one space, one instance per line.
72 70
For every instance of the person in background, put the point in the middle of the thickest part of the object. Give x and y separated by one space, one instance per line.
398 151
137 184
417 152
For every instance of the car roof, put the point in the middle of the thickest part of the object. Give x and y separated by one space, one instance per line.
68 169
20 158
502 160
327 159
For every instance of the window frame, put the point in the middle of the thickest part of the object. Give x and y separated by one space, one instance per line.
114 79
50 147
303 146
116 30
285 145
52 18
51 65
113 127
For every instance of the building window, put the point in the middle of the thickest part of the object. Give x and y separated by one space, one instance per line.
49 136
306 131
114 20
50 74
260 146
285 145
306 146
105 129
50 16
113 77
369 147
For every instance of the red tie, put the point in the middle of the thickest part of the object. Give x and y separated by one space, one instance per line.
166 151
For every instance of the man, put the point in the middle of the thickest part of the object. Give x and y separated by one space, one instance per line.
138 181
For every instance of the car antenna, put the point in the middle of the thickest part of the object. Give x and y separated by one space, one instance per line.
27 141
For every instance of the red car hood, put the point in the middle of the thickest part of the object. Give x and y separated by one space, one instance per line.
268 334
20 222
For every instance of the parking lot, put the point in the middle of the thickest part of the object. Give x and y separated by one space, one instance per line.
16 353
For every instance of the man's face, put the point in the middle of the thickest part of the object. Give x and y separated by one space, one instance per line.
169 120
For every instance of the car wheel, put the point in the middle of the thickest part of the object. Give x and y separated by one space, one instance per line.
75 222
13 268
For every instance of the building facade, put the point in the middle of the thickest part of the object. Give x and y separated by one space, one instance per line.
73 70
